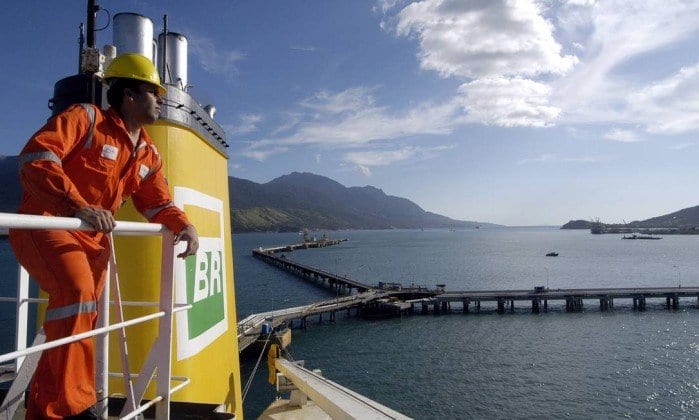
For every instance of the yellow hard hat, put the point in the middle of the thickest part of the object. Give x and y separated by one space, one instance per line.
134 66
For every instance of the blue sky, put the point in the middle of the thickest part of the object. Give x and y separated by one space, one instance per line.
512 112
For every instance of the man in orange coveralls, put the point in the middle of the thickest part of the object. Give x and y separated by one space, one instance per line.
79 166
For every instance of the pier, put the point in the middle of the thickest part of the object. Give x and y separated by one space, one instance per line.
251 328
573 299
341 284
393 299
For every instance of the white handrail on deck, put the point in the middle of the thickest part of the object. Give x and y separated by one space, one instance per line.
159 356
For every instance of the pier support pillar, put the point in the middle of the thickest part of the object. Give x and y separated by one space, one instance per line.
425 308
332 317
465 304
639 303
501 305
512 305
478 305
676 302
546 305
574 304
436 308
667 302
535 305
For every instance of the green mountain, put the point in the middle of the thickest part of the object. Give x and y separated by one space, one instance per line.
293 202
684 220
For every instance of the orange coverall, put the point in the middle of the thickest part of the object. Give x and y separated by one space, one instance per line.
63 169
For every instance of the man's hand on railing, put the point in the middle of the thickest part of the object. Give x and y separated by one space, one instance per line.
102 220
189 235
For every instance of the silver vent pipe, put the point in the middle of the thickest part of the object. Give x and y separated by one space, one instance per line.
133 33
211 110
172 50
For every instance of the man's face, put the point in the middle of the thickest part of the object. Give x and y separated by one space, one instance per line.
148 102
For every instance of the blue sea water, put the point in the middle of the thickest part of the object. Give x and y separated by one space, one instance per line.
517 365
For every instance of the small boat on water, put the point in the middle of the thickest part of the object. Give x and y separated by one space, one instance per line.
640 236
552 254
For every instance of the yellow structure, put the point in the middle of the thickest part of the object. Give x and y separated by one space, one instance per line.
205 346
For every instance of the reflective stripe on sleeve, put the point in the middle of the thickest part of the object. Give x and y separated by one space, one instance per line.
151 212
91 115
31 157
71 310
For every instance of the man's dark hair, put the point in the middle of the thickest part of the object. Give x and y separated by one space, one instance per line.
115 94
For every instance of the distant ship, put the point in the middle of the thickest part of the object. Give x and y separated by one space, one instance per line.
640 236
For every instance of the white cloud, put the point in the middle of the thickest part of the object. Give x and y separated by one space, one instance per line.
508 102
350 118
515 70
371 158
384 6
363 170
304 48
248 124
380 158
670 106
262 155
616 31
551 158
353 99
291 119
484 38
214 59
580 2
620 135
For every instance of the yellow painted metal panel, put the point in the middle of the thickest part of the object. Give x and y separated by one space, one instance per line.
198 178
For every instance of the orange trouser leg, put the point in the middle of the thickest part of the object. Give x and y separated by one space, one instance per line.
70 267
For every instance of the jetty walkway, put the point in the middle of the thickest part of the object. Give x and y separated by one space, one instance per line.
574 299
393 299
341 283
250 328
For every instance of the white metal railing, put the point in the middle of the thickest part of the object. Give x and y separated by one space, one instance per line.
159 356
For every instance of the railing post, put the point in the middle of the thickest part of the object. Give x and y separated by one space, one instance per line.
22 319
102 365
164 348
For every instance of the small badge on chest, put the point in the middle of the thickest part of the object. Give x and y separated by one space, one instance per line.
109 152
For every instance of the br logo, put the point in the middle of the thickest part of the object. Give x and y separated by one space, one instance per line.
200 280
204 291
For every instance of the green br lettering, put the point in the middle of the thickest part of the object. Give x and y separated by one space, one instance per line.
204 291
207 281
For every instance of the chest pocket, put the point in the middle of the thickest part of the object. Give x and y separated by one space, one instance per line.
100 158
98 162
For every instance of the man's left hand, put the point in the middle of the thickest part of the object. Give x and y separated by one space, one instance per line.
189 235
